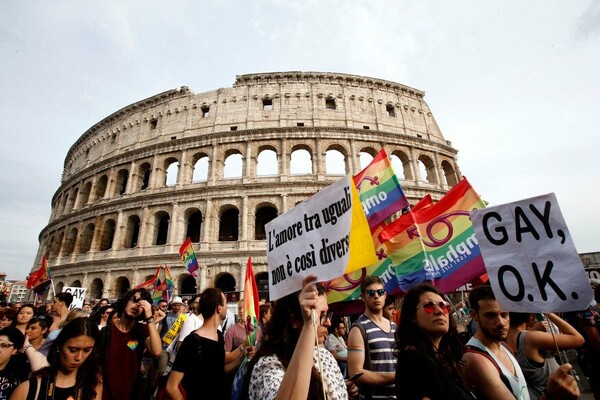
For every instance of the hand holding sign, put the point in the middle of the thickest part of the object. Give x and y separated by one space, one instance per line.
530 258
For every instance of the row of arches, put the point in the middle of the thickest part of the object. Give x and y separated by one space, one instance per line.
185 284
174 170
101 235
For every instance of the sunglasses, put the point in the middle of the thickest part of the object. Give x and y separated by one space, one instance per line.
326 317
371 292
136 299
430 307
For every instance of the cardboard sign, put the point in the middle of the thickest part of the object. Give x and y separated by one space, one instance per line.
326 235
78 296
530 258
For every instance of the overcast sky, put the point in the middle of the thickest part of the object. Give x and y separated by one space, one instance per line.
514 85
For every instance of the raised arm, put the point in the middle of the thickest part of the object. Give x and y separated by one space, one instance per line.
537 342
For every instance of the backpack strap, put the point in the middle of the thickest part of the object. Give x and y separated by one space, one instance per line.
472 349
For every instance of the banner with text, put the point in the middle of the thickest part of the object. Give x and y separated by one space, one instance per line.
326 235
530 257
78 296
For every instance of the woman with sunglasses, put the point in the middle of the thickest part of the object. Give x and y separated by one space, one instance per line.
74 371
429 348
286 366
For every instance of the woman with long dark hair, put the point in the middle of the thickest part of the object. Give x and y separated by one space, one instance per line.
74 371
429 348
286 366
23 316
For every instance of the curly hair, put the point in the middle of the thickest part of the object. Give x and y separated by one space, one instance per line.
410 336
88 374
281 338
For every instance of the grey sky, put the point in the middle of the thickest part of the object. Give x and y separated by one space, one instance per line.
514 85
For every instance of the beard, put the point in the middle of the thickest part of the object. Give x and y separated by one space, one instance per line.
497 334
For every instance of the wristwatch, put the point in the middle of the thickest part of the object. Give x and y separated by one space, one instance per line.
150 320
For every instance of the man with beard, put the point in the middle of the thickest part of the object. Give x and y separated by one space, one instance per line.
490 370
122 345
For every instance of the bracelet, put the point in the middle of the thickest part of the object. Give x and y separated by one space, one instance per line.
27 347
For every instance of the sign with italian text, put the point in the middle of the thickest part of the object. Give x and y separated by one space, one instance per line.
326 235
78 296
530 258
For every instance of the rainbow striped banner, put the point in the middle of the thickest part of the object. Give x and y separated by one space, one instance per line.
251 307
379 191
439 244
188 257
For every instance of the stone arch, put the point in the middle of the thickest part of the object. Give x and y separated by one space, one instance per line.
87 238
233 164
201 162
186 284
72 200
401 164
266 162
262 284
336 160
171 171
64 203
226 282
57 245
59 286
365 156
132 232
121 182
48 247
193 223
161 227
100 189
229 225
121 286
449 173
427 164
301 160
264 214
144 175
70 242
84 195
108 235
96 288
76 283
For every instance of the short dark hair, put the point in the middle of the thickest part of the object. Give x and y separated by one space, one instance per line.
14 335
483 292
65 297
389 300
368 281
211 298
517 318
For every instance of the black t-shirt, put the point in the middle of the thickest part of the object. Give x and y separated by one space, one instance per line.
17 370
202 362
418 376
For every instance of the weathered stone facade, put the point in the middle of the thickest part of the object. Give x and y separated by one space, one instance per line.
140 181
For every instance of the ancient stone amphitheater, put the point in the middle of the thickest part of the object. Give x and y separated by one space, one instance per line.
217 166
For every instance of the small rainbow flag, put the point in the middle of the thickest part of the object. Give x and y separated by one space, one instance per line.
251 308
188 257
168 282
379 191
439 244
150 284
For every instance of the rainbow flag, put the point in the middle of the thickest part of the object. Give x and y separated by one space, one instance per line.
150 283
168 283
439 244
160 292
379 191
39 280
188 257
251 308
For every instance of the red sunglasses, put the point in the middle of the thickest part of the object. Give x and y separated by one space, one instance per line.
430 307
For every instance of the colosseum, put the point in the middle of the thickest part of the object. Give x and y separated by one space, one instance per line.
217 166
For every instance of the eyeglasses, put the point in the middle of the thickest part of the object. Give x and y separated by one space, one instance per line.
430 307
371 292
136 299
325 318
6 345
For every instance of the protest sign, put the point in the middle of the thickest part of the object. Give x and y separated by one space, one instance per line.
530 257
78 296
326 235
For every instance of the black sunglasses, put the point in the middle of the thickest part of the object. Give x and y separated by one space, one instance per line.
371 292
136 299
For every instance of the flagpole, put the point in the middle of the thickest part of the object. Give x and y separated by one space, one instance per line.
53 290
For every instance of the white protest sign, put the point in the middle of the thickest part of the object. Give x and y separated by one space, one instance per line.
78 296
530 258
326 235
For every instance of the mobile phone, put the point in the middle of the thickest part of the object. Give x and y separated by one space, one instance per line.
355 377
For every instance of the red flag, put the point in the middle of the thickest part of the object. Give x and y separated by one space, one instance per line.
39 279
149 284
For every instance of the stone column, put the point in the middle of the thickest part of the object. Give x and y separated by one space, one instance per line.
354 166
119 229
244 228
414 165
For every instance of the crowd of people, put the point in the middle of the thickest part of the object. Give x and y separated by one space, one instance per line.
408 348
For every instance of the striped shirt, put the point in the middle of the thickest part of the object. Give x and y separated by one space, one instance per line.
381 350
